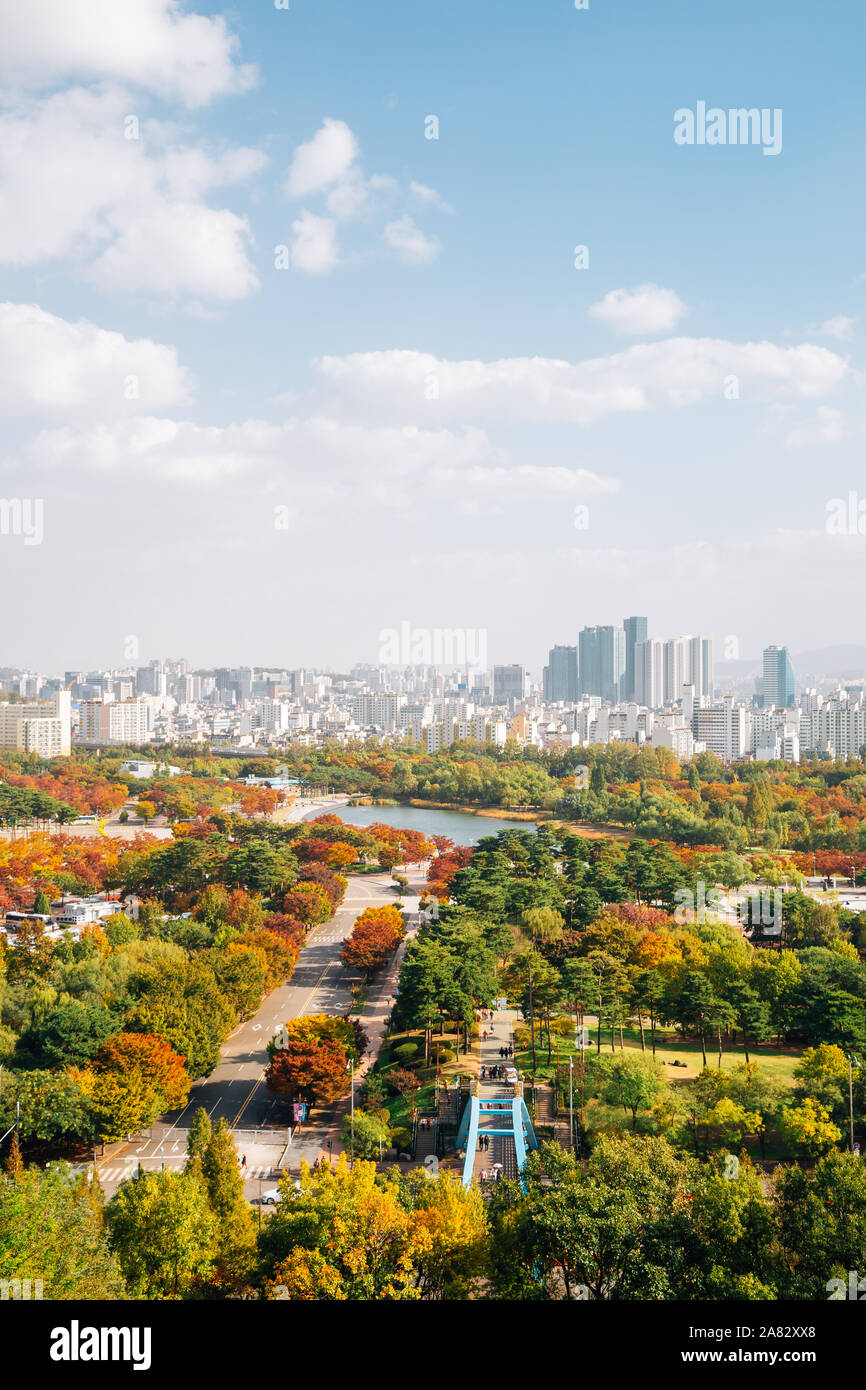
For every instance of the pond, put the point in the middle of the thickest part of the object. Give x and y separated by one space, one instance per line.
462 827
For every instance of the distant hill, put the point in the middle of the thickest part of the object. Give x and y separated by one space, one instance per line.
845 661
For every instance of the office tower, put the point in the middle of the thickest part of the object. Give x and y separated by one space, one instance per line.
611 643
776 686
602 662
509 683
561 670
150 679
649 674
589 672
635 631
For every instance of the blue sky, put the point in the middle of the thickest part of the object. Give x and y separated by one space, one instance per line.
307 388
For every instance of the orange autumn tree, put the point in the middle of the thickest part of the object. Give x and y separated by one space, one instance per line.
376 934
134 1078
310 1060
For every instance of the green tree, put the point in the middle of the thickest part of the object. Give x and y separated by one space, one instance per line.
163 1231
199 1133
49 1229
633 1081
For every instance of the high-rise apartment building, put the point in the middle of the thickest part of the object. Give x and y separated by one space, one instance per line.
649 674
635 630
40 727
113 721
725 729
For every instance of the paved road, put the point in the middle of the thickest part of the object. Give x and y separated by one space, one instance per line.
235 1090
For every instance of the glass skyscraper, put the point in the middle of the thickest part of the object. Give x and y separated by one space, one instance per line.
777 682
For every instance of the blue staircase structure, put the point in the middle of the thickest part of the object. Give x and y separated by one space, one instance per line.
503 1116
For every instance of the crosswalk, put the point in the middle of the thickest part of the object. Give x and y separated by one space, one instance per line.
120 1172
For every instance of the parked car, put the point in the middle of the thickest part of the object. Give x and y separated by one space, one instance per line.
274 1195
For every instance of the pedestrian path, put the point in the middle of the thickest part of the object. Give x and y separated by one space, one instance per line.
495 1152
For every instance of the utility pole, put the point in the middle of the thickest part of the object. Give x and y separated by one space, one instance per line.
571 1101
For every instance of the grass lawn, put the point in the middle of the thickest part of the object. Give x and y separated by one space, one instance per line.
670 1047
400 1107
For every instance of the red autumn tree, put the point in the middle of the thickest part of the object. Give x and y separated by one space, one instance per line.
312 1063
375 936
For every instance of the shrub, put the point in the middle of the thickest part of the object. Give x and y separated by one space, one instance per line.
562 1027
445 1054
401 1139
406 1052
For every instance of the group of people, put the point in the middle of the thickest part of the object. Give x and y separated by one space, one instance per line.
506 1051
483 1142
493 1073
494 1175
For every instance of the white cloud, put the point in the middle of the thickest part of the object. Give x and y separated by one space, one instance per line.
321 456
411 244
675 372
150 43
648 309
129 212
48 364
329 164
323 160
180 247
840 327
314 244
828 426
492 489
429 196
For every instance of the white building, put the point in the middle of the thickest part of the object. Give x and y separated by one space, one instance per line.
43 728
114 721
724 729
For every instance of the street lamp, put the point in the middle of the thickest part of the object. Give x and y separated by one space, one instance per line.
853 1061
